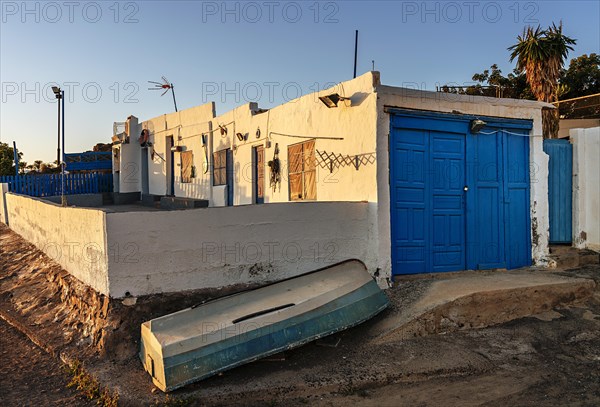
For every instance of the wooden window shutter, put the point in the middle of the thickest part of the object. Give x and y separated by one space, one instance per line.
302 171
310 171
187 164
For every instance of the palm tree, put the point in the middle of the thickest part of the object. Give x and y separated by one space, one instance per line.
541 54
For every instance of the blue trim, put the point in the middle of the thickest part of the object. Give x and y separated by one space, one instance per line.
505 123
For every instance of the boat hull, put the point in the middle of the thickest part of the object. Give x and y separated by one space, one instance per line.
217 348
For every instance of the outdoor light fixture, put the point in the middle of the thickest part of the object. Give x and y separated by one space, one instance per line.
477 125
332 100
57 92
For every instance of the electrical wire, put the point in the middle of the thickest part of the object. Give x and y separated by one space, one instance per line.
508 132
309 137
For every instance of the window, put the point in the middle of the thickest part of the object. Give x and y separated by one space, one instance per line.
220 167
302 171
187 166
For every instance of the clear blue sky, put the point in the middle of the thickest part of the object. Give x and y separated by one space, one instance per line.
233 52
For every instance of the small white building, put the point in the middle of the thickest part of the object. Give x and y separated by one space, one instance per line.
450 182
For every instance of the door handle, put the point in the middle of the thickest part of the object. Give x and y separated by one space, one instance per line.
465 188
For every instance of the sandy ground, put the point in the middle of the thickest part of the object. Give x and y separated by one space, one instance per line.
31 377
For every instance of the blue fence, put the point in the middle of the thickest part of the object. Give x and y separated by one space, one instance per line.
90 161
50 184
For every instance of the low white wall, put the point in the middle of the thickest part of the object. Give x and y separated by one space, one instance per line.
216 247
586 194
73 237
3 213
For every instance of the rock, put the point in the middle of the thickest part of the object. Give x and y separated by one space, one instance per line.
129 301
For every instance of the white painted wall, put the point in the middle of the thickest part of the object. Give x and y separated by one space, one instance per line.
3 211
216 247
74 237
474 105
186 128
586 193
566 125
353 120
129 176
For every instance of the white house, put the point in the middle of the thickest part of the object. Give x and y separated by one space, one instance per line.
450 182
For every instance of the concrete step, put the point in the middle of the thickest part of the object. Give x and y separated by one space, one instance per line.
151 200
475 300
126 198
173 202
107 198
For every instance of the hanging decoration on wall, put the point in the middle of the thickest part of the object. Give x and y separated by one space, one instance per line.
332 161
275 167
144 138
205 148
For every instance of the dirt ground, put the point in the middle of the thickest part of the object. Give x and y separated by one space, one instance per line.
31 377
552 358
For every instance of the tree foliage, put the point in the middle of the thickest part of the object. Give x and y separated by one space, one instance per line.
582 78
541 54
545 51
7 164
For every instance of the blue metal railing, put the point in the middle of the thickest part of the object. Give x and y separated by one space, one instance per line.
50 184
89 161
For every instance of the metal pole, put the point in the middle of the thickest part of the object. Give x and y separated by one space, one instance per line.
58 138
63 198
355 51
173 92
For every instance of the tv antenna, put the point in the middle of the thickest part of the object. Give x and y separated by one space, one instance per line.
166 86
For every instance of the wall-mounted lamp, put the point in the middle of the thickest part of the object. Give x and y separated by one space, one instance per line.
477 125
241 137
332 100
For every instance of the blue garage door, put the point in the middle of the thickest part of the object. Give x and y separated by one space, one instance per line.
458 200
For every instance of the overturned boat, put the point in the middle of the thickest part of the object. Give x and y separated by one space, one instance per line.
201 341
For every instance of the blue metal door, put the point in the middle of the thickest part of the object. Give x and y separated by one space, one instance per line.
458 200
517 208
427 190
485 229
560 189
